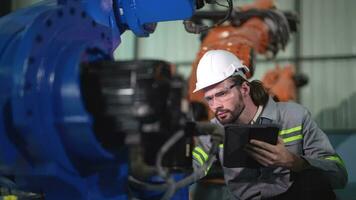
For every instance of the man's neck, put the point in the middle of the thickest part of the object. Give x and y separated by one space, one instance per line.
248 114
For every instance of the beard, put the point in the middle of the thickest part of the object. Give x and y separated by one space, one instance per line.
227 116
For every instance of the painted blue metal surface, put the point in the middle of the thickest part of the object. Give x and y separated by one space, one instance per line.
139 14
46 137
180 194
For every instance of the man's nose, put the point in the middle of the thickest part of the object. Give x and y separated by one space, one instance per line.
215 104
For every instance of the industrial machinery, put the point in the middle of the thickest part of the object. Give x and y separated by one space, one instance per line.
282 83
74 124
256 28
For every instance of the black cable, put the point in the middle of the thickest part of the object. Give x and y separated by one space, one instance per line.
227 16
171 185
191 27
222 5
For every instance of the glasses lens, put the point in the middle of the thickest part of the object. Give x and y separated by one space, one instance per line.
220 96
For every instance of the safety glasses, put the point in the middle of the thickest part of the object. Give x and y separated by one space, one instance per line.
220 96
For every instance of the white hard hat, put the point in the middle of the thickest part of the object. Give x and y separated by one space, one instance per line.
216 66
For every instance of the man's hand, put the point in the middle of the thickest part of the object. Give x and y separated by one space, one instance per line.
275 155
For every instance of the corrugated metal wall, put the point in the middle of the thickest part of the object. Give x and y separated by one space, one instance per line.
329 41
169 42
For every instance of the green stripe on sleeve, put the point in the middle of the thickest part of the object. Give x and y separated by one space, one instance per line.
337 159
198 158
290 130
10 197
293 138
202 152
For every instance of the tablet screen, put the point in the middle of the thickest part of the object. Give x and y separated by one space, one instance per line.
237 136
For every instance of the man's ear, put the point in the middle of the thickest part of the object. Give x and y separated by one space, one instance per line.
245 89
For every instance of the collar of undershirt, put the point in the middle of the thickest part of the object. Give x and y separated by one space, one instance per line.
258 112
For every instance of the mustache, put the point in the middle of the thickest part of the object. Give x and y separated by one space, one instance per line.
221 110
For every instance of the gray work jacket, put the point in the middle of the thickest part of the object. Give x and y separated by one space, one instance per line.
301 136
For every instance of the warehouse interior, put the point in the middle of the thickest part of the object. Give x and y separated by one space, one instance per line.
322 50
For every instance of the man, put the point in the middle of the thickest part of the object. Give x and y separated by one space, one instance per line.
302 165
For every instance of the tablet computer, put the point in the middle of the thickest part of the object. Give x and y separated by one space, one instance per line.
237 136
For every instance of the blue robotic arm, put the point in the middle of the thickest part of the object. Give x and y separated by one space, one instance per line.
47 141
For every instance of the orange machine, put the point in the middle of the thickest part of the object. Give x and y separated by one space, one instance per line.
254 28
282 83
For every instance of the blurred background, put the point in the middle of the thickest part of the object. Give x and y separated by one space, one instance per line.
323 49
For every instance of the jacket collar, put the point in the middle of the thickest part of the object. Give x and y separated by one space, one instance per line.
270 110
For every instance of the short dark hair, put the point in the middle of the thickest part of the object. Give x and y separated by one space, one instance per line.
258 92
